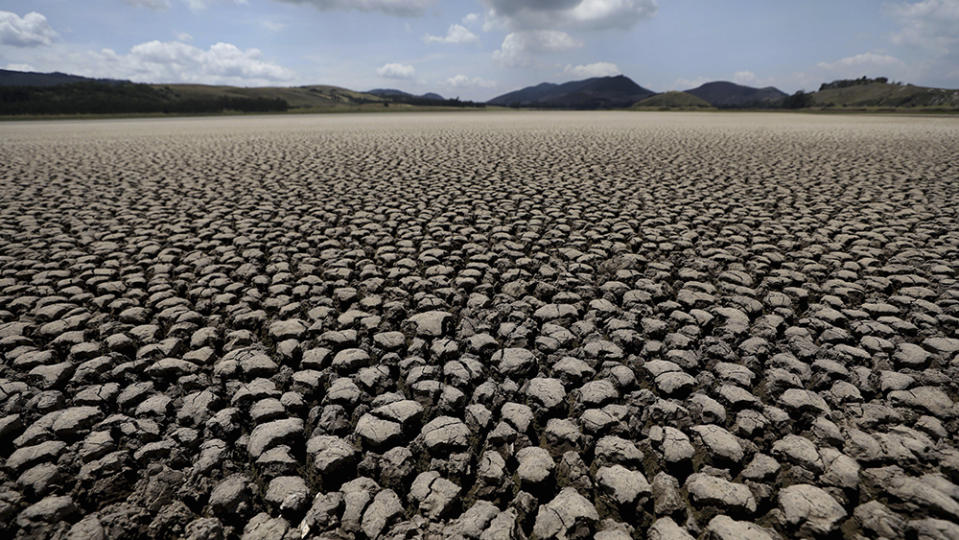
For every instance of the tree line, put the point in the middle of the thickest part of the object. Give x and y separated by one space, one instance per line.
428 102
846 83
121 98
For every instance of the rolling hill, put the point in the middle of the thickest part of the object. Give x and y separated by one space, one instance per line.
59 93
724 94
879 94
672 100
27 93
298 97
94 97
394 93
31 78
595 93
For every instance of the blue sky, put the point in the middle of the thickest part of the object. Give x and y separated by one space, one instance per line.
477 49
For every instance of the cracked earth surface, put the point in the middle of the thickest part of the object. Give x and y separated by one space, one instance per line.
480 325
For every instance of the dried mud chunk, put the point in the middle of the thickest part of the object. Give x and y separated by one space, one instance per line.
726 528
444 434
624 486
231 496
51 509
435 495
75 420
535 465
568 515
431 323
810 510
265 436
728 497
377 432
803 401
927 398
667 529
875 517
264 527
515 362
385 507
289 494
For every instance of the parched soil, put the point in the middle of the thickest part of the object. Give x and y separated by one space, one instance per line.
480 325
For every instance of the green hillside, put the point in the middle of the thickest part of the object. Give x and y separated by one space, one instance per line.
96 97
877 94
672 100
297 97
121 97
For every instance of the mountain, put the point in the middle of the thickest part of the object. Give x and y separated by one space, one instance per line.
31 78
725 94
672 100
876 93
596 93
399 94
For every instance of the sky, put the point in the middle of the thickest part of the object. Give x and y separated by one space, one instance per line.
477 49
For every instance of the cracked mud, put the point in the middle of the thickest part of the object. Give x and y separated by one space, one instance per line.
527 325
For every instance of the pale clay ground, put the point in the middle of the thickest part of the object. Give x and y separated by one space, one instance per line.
480 325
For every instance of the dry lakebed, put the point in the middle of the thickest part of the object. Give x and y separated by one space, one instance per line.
480 326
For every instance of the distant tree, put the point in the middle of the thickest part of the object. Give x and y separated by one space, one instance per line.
799 100
846 83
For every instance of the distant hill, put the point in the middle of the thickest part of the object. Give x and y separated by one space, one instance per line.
596 93
394 93
298 97
94 97
64 94
31 78
883 94
845 83
672 100
387 92
61 94
725 94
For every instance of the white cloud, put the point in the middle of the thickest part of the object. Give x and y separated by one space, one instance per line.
158 5
172 62
744 77
748 78
402 8
455 34
928 30
20 67
683 83
519 47
868 64
396 71
185 37
871 62
31 30
464 81
574 14
864 60
470 18
194 5
596 69
273 26
199 5
929 24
